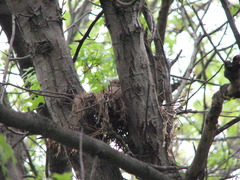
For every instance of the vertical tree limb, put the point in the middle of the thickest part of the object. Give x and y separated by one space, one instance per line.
162 18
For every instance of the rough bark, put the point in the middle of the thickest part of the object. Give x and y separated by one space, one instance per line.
40 24
146 122
41 27
20 46
21 50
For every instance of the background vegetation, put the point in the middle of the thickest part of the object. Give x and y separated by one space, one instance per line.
198 39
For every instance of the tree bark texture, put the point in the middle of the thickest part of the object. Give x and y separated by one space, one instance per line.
146 122
40 24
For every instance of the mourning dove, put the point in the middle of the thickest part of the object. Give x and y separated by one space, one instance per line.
115 86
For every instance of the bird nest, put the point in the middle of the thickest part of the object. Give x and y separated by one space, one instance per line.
101 115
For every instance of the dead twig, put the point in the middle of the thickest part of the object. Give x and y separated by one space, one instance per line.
8 58
229 124
85 36
231 21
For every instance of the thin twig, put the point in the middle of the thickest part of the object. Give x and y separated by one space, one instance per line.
205 83
124 4
30 162
73 24
41 92
85 36
176 58
15 132
189 68
231 21
206 34
20 58
215 140
232 122
94 3
8 57
188 22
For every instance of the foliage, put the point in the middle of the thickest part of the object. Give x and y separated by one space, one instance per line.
96 66
32 101
64 176
6 155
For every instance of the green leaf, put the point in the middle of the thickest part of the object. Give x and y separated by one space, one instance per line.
6 154
65 176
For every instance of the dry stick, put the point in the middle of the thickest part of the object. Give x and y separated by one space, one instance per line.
188 70
85 37
188 93
31 164
186 18
215 140
192 63
8 57
205 83
73 24
94 166
204 112
15 132
231 21
205 12
94 4
232 122
176 58
42 93
206 34
20 58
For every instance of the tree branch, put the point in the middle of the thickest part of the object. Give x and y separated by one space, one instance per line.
227 91
232 122
85 36
209 131
231 21
162 18
37 124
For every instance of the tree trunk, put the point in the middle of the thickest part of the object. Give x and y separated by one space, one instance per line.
147 121
40 23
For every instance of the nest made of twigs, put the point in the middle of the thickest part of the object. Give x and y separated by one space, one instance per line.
101 115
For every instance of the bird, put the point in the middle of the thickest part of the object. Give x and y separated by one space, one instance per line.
114 86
